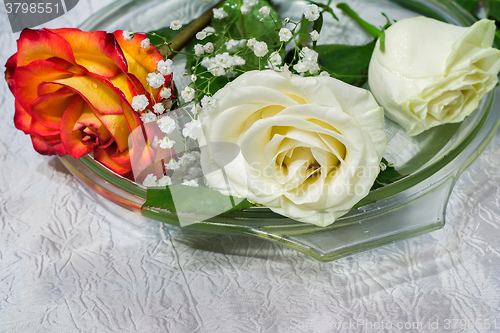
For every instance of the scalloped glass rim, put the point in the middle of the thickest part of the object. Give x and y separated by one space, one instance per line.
381 204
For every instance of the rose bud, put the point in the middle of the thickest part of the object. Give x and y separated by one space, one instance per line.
73 92
433 73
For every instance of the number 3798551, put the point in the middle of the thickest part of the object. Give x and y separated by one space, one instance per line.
33 8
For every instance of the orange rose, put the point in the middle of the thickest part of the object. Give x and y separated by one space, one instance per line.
74 91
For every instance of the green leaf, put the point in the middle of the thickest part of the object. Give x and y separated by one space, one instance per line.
494 9
467 4
387 176
418 7
188 199
237 26
347 63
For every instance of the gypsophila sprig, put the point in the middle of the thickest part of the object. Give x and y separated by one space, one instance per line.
148 117
285 35
146 43
166 93
155 80
219 13
188 94
140 102
165 67
128 35
166 124
175 25
312 12
158 108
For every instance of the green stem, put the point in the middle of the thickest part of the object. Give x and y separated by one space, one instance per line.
373 31
185 36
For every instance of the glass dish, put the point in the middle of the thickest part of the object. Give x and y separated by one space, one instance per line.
409 207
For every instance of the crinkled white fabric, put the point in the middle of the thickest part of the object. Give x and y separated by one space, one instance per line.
71 262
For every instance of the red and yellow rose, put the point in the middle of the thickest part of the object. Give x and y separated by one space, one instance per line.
74 91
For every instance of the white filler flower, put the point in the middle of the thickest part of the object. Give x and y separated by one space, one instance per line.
219 13
285 34
310 146
432 72
260 49
140 102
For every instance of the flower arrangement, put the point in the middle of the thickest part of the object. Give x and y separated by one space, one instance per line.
265 115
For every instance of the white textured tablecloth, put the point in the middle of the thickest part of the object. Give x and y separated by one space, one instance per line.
72 262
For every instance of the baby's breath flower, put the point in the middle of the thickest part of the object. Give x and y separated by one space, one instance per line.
245 9
187 159
166 93
223 60
155 80
201 35
250 3
192 129
251 42
315 36
238 61
158 108
265 11
207 62
209 47
216 70
208 103
196 109
242 43
140 102
146 43
285 34
286 20
275 60
324 73
127 35
165 67
172 165
148 117
198 50
312 12
166 124
150 180
188 94
166 143
165 181
194 78
219 13
193 183
232 44
175 25
209 30
260 49
309 61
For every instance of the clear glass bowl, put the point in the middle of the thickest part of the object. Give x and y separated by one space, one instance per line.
409 207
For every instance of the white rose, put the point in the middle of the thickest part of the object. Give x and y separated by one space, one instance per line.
310 147
432 72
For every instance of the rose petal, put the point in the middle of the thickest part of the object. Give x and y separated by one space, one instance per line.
97 91
28 78
48 109
72 139
97 51
42 44
44 148
22 119
10 68
103 155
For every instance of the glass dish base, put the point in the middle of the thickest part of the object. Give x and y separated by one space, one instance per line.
409 207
